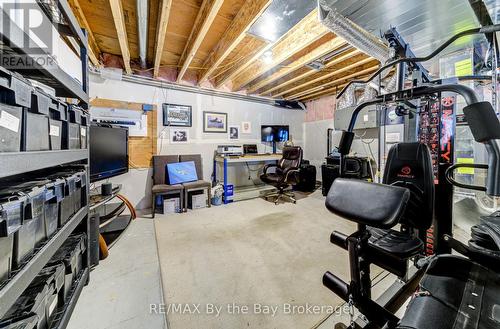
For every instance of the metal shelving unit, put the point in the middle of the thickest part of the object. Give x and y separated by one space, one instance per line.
12 164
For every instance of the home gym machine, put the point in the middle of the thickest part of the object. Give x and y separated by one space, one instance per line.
398 202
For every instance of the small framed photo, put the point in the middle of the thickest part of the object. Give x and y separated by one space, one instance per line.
178 135
246 127
234 132
214 122
175 115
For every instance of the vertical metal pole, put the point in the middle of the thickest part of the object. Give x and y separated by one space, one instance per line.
494 78
85 68
225 181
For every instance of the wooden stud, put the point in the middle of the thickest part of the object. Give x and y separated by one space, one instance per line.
121 31
301 94
235 33
316 53
318 80
204 20
303 34
161 28
94 51
305 75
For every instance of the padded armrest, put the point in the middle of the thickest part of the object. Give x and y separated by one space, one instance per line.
267 166
372 204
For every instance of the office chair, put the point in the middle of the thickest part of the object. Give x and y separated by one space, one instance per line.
286 173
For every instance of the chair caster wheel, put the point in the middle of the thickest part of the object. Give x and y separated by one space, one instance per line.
294 202
276 203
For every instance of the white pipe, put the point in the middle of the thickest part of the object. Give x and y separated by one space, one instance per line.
142 29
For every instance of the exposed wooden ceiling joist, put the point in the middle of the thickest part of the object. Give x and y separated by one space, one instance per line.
317 53
121 30
323 87
303 34
303 76
204 20
319 81
235 33
94 51
164 14
328 92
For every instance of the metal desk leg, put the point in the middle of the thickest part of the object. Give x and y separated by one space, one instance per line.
225 181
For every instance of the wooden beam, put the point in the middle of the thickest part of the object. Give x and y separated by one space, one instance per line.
121 31
94 51
303 34
327 92
319 80
305 75
204 20
301 94
315 54
161 28
234 34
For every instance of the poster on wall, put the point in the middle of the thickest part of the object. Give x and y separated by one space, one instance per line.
234 132
246 127
214 122
175 115
178 135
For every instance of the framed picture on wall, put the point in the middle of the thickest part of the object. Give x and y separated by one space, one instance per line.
234 132
175 115
246 127
179 135
214 122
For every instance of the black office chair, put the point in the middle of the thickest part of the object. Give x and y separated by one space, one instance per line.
285 174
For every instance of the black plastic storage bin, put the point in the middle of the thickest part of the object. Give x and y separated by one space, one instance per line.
53 277
81 189
57 115
84 129
71 255
11 217
14 89
32 301
25 321
68 204
53 197
36 132
10 128
40 101
71 136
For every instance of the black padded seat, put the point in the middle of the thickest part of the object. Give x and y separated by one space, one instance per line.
455 293
272 178
395 243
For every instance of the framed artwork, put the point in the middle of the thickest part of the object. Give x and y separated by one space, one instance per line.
234 132
175 115
246 127
179 135
214 122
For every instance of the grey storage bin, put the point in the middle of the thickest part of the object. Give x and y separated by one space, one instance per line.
36 132
40 102
75 114
71 136
84 132
25 321
11 218
53 197
53 277
10 128
6 249
68 203
32 301
55 134
71 255
14 89
35 192
24 242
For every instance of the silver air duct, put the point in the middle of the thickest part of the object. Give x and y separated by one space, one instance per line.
142 29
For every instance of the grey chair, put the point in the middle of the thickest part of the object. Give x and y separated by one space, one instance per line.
200 184
160 186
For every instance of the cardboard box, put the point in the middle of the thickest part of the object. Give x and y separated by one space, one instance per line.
171 206
199 201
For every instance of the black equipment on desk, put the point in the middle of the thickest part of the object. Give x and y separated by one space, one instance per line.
250 149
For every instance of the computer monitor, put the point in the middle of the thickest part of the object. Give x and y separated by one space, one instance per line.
182 172
275 133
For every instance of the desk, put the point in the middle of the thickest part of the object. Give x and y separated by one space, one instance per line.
224 161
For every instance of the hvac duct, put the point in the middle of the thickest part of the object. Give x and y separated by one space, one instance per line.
142 29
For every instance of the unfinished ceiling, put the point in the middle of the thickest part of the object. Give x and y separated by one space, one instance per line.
270 48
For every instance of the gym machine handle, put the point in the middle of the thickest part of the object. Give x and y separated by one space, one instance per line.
450 177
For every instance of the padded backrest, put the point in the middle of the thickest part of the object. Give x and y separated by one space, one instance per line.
160 167
292 157
409 165
197 162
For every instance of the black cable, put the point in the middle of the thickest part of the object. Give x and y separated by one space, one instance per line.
477 30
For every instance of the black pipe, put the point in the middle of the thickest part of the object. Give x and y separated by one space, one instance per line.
477 30
336 285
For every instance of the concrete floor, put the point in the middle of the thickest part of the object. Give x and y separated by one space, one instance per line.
124 285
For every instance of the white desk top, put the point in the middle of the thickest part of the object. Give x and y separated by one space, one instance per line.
249 158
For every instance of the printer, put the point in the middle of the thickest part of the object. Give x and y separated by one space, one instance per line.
229 150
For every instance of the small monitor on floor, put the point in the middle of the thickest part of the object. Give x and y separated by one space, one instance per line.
182 172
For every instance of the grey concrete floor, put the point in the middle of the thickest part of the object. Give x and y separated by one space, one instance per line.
124 286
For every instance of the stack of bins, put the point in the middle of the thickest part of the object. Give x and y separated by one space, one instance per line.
40 299
53 198
25 321
72 128
37 128
15 95
57 116
84 128
66 205
11 218
71 255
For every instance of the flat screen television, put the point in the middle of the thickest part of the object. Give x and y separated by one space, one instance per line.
108 152
275 133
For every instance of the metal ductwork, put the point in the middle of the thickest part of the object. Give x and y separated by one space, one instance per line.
142 29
